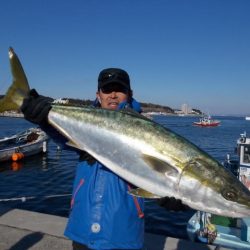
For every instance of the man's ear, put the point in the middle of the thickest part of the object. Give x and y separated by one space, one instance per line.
98 97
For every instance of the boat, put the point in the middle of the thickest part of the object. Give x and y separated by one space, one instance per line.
207 121
232 233
248 118
21 145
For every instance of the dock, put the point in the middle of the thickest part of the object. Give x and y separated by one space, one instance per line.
22 229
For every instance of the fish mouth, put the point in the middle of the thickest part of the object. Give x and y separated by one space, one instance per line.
237 213
233 210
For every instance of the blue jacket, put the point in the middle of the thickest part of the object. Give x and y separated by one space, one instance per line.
103 215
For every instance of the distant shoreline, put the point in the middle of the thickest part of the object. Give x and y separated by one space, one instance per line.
11 114
20 115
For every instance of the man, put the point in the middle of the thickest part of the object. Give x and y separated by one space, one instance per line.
103 215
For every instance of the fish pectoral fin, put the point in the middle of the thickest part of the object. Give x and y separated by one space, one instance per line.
139 192
160 166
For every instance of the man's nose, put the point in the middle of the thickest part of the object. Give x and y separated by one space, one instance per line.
113 94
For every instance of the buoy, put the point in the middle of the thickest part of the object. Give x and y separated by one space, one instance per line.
17 156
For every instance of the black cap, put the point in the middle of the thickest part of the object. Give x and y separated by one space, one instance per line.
113 75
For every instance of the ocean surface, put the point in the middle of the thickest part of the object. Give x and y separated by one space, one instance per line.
43 183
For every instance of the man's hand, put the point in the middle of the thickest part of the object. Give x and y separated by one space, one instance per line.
172 204
84 156
36 107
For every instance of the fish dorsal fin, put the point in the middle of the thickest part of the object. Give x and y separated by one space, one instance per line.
134 113
139 192
160 166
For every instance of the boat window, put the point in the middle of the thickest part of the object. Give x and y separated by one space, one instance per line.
246 158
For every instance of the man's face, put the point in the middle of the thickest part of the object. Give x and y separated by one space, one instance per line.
111 95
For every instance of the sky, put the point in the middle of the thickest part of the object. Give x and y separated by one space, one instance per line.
195 52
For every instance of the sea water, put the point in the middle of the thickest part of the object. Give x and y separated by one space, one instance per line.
43 183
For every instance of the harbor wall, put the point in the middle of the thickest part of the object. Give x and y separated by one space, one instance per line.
21 229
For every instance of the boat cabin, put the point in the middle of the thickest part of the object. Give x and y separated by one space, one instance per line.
243 150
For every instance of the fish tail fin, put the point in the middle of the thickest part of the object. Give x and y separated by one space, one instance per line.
19 88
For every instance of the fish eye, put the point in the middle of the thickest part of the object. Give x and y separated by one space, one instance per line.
229 195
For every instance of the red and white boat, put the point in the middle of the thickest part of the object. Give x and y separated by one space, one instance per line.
207 121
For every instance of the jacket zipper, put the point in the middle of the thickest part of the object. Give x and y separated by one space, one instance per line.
75 193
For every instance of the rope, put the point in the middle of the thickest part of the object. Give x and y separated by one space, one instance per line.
25 198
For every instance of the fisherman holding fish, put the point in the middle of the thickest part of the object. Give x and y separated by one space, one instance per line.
103 214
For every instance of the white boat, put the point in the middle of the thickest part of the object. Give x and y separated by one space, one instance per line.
222 231
248 118
23 144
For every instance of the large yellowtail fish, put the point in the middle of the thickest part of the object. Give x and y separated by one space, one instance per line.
153 158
